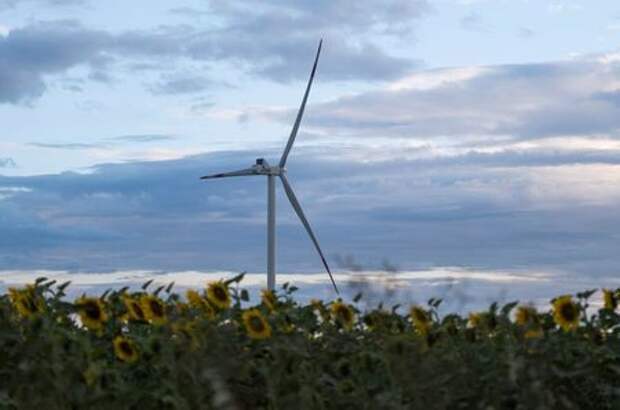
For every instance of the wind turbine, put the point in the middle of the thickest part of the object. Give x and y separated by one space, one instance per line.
262 167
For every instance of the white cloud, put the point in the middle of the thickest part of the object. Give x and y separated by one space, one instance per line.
427 80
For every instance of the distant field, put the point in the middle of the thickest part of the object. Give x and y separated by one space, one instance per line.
217 348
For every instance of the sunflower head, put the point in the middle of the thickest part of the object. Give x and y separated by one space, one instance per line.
194 299
125 349
269 299
474 320
343 314
134 308
91 375
92 313
535 332
218 295
421 319
256 325
610 299
526 315
199 302
27 301
154 309
187 330
566 312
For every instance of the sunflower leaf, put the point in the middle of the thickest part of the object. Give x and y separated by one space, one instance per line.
236 278
39 280
63 286
507 308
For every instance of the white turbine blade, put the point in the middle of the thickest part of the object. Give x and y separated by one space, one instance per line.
300 214
243 172
291 138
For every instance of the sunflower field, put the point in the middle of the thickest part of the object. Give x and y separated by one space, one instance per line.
215 348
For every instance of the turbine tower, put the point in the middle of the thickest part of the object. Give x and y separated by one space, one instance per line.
262 167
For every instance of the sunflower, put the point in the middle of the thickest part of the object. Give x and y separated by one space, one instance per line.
194 299
534 333
256 325
421 319
92 313
526 315
134 309
343 314
610 299
199 302
91 375
125 349
188 332
218 295
475 319
154 309
26 301
566 312
269 299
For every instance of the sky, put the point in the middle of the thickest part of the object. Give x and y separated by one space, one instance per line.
477 134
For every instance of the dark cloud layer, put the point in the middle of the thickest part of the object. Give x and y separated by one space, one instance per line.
30 53
416 213
275 40
528 101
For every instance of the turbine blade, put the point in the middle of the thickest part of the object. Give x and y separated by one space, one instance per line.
243 172
291 138
300 214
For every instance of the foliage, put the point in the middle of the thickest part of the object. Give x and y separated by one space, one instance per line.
216 350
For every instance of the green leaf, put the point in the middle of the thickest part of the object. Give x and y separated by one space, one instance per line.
235 279
146 284
507 308
169 287
63 285
40 279
245 296
586 294
357 297
159 289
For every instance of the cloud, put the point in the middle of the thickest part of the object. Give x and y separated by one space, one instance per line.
274 41
182 85
7 163
34 51
143 138
104 143
525 32
517 102
556 212
65 146
10 4
473 22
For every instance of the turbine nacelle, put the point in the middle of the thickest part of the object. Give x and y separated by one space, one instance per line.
262 167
